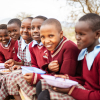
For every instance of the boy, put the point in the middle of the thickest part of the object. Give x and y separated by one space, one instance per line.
87 34
13 28
7 49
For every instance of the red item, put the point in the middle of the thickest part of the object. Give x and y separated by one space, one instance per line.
66 54
91 82
7 53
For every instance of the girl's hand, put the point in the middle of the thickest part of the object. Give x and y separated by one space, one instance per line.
28 77
53 66
16 67
62 90
9 63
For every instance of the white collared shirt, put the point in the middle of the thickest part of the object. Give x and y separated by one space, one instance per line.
89 56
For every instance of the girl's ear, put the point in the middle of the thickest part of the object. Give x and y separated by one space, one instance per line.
97 34
61 34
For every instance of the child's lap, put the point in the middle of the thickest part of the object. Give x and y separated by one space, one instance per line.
15 80
56 95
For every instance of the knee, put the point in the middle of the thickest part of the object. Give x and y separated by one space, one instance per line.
38 88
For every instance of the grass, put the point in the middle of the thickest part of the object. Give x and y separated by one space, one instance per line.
69 33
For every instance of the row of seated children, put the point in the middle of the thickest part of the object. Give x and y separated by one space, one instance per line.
19 56
55 55
12 29
87 34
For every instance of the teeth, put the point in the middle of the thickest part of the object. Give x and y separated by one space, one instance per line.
48 46
3 41
36 36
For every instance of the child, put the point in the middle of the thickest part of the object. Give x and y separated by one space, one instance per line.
61 49
21 46
13 28
21 49
87 34
7 49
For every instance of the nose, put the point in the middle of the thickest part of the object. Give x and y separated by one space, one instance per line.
47 40
35 30
12 33
77 36
25 29
3 38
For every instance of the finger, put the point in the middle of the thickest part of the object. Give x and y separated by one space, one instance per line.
61 76
54 68
55 61
27 74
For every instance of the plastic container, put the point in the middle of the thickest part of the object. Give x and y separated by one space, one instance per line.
31 70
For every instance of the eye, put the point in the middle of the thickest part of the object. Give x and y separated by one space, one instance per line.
81 33
22 27
15 30
42 37
9 32
32 28
29 28
51 36
39 27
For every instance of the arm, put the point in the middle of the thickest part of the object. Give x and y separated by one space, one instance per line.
70 62
33 57
2 58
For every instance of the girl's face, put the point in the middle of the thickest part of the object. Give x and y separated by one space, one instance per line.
4 36
35 31
25 30
85 37
14 31
50 36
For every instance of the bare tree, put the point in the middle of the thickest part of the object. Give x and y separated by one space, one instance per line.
23 15
81 7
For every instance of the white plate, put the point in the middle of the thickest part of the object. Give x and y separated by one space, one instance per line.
2 65
1 71
59 82
14 71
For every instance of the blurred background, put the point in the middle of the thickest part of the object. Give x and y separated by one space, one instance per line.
66 11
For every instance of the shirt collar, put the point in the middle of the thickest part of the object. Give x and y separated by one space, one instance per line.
7 43
23 44
36 43
89 56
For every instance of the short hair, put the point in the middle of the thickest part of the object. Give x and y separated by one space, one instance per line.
15 20
3 26
41 17
53 21
29 18
93 20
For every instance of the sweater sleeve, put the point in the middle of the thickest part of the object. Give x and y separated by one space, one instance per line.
33 57
69 61
2 58
81 94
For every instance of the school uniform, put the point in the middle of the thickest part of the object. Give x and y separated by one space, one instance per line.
22 52
90 77
38 52
7 52
66 54
9 81
90 74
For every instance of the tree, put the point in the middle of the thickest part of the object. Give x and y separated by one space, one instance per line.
23 15
81 7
